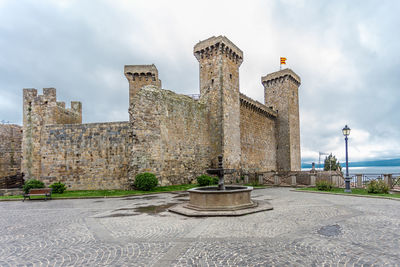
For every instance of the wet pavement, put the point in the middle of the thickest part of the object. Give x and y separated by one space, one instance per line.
302 230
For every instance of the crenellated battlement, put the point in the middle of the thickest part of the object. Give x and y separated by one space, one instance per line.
256 106
281 76
48 109
218 45
141 72
139 76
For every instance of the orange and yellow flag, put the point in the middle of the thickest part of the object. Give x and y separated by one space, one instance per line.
283 60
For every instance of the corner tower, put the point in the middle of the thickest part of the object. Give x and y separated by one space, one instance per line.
219 61
281 93
139 76
39 111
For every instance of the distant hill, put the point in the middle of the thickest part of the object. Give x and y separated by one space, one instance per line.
371 163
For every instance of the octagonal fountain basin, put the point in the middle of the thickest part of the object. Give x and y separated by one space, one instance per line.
209 198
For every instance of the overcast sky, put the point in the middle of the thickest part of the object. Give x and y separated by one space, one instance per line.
346 53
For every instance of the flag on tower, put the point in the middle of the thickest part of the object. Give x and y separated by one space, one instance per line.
283 61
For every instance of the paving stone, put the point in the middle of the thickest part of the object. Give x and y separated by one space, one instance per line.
302 230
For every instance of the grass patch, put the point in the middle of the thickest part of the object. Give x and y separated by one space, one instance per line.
256 186
111 193
10 197
354 191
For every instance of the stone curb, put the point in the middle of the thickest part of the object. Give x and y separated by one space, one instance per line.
181 209
343 194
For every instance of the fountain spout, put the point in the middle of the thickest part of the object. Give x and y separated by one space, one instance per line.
220 172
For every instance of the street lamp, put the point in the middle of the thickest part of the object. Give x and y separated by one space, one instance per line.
346 132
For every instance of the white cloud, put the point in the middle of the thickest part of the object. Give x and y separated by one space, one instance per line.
367 38
339 48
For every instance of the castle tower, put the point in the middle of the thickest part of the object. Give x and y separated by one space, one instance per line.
281 93
38 111
139 76
219 61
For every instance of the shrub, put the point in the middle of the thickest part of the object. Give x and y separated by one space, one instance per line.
204 180
58 187
145 181
377 187
324 185
254 183
32 183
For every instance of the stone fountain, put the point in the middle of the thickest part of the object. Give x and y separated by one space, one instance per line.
221 200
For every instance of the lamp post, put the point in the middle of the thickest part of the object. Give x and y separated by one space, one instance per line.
346 132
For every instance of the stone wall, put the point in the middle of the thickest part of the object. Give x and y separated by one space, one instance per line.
257 136
10 149
171 136
86 156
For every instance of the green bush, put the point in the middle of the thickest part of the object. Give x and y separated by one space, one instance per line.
145 181
58 187
204 180
377 187
324 185
254 183
32 183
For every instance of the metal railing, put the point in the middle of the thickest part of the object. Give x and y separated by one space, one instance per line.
362 180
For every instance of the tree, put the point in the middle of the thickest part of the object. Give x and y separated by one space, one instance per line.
331 163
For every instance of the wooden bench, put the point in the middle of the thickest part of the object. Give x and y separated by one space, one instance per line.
46 192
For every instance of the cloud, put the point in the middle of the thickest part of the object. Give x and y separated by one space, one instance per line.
346 55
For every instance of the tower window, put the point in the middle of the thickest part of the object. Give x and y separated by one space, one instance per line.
212 81
230 76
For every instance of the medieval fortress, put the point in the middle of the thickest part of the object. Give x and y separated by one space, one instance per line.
174 136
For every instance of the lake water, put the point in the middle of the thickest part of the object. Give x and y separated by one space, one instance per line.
369 170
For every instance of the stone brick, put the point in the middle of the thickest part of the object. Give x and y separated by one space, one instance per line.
95 154
257 136
281 94
219 61
171 137
40 110
10 149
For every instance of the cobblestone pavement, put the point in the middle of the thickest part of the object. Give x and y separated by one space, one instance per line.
302 230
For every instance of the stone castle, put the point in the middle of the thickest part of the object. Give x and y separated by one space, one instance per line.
175 136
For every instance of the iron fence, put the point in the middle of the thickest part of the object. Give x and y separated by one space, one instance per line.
368 177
